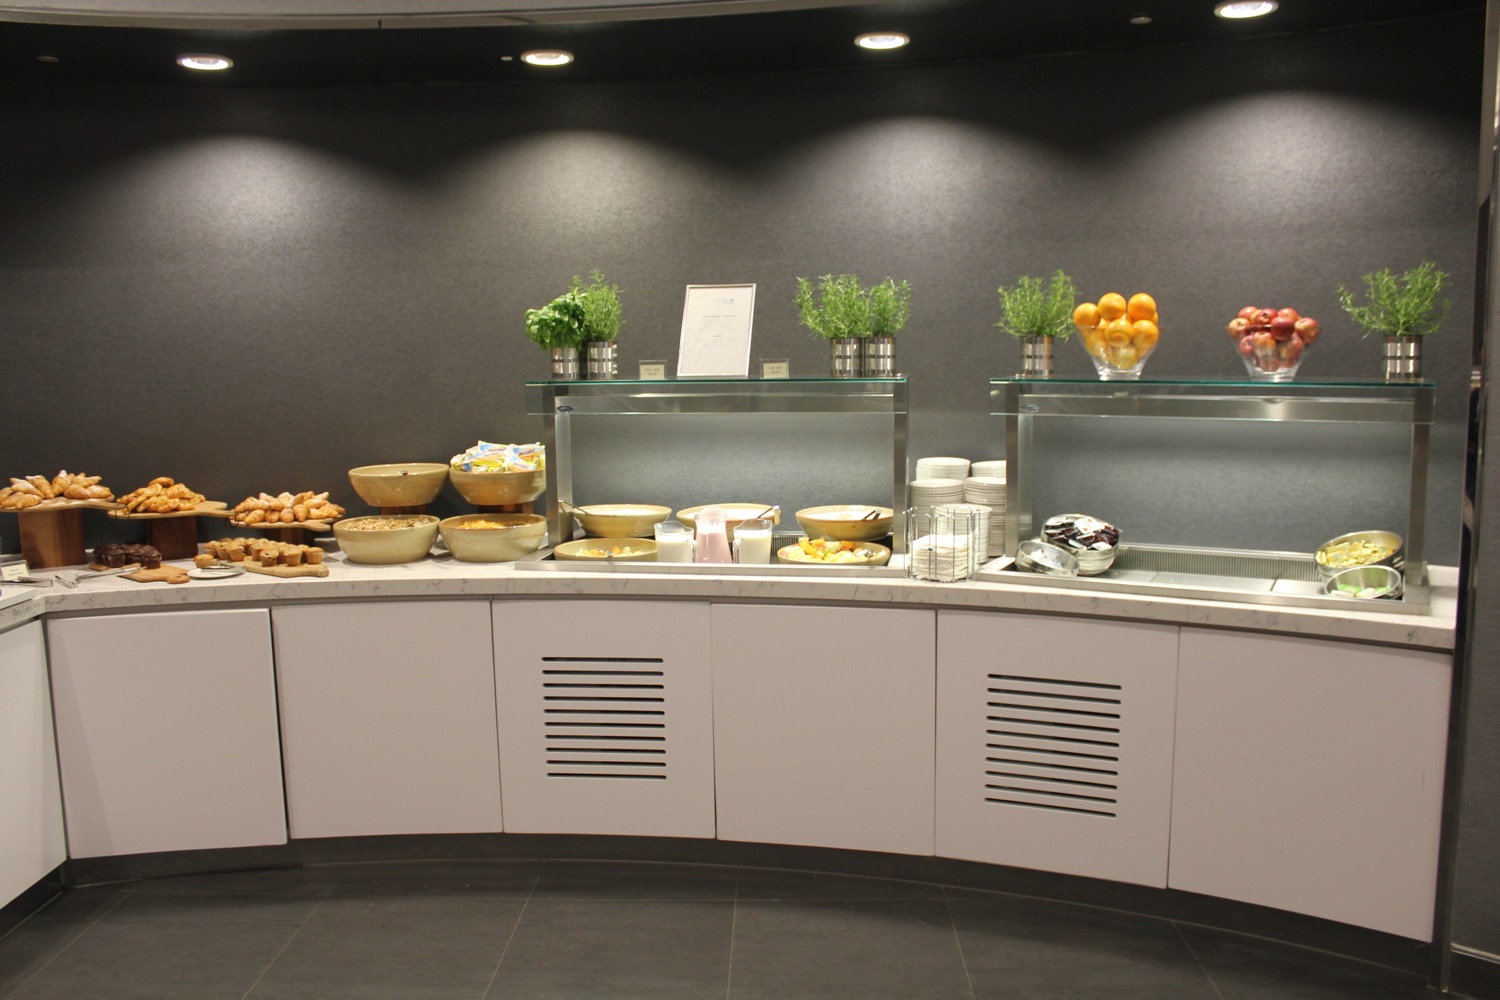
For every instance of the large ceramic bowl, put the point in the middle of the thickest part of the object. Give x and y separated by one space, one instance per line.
607 550
382 539
493 537
620 520
734 513
848 522
492 489
1360 548
399 484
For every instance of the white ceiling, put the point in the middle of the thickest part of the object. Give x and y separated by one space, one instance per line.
374 13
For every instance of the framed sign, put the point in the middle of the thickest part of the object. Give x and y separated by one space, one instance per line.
716 323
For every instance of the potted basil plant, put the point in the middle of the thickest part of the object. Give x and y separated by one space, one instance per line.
1037 314
839 312
558 328
1403 309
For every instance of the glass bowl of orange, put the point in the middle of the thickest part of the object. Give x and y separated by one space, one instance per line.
1119 334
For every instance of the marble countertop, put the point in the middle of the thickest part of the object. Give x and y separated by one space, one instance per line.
446 577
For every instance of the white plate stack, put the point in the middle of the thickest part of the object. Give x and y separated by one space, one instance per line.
987 486
925 493
942 468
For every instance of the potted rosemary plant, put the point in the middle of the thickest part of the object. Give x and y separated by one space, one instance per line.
839 312
601 325
1403 309
890 305
1037 314
558 328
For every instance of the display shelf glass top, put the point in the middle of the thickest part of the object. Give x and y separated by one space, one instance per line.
1360 402
702 395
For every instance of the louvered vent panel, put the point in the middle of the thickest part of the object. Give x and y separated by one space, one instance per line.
606 718
1052 744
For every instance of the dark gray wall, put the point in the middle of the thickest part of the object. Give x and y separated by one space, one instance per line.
258 289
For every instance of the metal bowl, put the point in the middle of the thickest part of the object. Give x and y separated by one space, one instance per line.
1360 548
1045 558
1365 583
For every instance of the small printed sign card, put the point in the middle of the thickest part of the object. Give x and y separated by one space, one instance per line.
716 322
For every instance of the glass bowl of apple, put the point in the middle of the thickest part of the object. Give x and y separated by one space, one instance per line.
1272 342
1118 333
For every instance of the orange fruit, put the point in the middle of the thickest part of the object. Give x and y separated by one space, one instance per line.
1086 316
1124 357
1112 306
1093 342
1144 335
1118 333
1141 306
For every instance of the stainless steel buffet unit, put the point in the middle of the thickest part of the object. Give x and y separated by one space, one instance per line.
1220 489
792 442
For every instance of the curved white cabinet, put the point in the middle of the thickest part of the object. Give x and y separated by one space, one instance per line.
388 718
31 820
166 731
823 726
1309 777
606 717
1054 740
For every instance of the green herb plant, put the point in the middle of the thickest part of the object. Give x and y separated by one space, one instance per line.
1408 305
559 323
1030 309
890 305
601 307
839 308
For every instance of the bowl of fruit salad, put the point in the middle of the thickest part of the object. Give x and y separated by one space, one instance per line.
833 552
1272 342
1118 333
607 550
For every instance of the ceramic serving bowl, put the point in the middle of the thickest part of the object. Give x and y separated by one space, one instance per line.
607 550
850 522
493 537
863 554
383 539
491 489
399 484
1360 548
620 520
734 513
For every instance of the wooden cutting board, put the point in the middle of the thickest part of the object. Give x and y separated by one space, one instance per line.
287 571
162 574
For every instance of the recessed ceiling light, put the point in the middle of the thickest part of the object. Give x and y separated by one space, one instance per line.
204 61
48 58
1245 8
547 57
1141 19
881 40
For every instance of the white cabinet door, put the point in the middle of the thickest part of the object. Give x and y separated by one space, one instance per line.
823 726
388 718
1309 776
1054 745
166 731
605 712
31 820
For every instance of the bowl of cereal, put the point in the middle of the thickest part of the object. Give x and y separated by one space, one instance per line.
493 537
383 539
1360 548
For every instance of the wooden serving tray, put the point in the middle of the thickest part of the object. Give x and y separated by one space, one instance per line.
206 507
62 503
286 571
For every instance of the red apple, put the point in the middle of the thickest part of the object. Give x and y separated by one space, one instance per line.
1290 350
1307 329
1263 317
1248 313
1290 314
1283 327
1238 327
1247 346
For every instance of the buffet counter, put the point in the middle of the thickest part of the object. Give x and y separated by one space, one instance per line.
446 577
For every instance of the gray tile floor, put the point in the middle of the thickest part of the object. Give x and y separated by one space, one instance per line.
579 930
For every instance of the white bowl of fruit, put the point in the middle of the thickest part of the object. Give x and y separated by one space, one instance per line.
1272 342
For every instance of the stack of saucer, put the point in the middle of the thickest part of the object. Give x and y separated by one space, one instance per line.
989 469
942 468
924 493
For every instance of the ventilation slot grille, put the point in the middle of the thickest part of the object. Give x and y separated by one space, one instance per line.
606 718
1052 744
